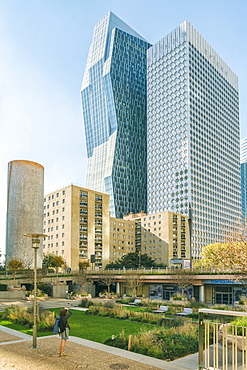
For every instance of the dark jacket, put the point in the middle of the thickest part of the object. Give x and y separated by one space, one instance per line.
63 321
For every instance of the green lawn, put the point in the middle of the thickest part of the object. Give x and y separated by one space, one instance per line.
22 328
95 328
98 328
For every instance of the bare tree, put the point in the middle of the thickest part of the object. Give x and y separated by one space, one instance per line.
106 278
133 281
82 278
184 278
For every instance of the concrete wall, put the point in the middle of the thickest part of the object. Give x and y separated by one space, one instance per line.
17 294
59 291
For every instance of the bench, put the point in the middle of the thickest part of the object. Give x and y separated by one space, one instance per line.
161 309
136 301
185 312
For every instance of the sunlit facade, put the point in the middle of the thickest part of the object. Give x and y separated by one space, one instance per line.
193 135
114 113
243 165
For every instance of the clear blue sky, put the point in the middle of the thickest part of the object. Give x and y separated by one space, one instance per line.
44 46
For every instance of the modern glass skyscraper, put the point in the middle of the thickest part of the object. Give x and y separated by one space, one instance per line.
243 164
114 113
193 135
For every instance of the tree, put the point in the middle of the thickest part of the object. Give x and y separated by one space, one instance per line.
107 279
82 278
15 265
83 265
133 281
51 260
133 260
184 278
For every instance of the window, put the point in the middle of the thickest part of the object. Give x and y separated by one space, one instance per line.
63 200
57 194
63 192
63 209
62 235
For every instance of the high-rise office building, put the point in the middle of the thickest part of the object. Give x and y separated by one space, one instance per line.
193 135
243 165
114 114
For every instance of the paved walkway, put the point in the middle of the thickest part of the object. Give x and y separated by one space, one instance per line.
16 352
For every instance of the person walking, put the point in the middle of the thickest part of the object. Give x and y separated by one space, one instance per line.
64 327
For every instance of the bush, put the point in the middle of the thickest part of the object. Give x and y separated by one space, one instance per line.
85 303
45 288
120 341
24 316
3 287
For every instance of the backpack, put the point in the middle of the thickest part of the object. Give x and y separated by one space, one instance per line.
56 328
61 325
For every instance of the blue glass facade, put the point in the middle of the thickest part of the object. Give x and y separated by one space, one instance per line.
114 113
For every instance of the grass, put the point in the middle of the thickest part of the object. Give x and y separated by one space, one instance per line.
22 328
95 328
98 329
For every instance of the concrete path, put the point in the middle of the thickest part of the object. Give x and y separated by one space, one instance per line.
16 351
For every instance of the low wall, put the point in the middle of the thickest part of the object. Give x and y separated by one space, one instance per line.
59 291
16 294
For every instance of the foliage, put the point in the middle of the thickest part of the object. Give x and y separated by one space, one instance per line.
86 303
83 265
166 344
45 288
15 265
3 287
231 255
52 260
24 316
133 260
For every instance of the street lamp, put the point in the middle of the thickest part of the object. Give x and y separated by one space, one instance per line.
35 246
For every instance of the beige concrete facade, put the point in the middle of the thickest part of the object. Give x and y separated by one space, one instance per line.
76 221
122 238
164 236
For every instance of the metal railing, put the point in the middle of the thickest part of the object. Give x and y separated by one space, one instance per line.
222 346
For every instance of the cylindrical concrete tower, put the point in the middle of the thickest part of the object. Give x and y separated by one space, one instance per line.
24 210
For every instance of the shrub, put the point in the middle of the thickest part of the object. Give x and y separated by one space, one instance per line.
3 287
45 288
24 316
120 341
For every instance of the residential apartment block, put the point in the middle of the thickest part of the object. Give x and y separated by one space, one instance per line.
76 221
164 236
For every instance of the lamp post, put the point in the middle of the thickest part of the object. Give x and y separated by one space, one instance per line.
35 246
